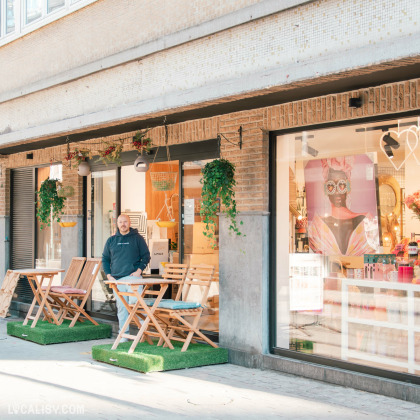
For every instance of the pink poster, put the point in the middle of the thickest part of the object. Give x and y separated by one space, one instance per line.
341 206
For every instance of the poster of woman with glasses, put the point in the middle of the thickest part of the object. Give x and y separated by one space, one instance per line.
341 205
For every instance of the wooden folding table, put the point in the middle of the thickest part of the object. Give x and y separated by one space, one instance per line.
136 310
46 276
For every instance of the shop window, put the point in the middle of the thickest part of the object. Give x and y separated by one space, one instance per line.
350 290
162 207
48 239
197 248
102 223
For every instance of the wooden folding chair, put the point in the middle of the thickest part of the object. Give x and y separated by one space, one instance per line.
70 280
66 296
177 273
173 313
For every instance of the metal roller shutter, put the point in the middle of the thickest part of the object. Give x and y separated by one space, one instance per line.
23 226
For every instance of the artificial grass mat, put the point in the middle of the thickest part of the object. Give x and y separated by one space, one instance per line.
46 333
148 358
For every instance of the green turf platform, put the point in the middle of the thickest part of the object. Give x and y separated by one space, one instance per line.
147 358
46 333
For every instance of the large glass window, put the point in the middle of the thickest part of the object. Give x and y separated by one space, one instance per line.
350 287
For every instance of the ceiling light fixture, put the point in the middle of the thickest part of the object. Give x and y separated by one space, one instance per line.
388 151
390 141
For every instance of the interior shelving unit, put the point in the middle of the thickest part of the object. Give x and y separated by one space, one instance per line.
407 323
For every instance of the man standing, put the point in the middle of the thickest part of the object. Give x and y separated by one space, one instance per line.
125 254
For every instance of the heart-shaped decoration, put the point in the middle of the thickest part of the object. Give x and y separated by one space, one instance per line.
410 143
415 131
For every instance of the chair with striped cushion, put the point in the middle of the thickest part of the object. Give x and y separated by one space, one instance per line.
66 297
70 280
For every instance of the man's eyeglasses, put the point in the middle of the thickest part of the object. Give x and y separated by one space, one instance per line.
342 186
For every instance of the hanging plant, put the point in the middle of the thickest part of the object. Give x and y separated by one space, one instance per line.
78 156
218 187
50 204
142 143
112 153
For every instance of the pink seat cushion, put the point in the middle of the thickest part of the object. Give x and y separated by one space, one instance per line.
67 290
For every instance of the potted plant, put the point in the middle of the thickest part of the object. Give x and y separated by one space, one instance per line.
112 153
218 188
50 204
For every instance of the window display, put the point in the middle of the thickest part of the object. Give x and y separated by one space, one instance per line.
346 182
351 290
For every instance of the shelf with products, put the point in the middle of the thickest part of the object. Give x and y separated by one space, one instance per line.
402 316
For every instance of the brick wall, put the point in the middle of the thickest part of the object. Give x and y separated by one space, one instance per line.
380 100
252 160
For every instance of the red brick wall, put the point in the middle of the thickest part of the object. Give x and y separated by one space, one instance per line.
252 160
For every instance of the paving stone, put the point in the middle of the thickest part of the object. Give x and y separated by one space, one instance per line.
64 381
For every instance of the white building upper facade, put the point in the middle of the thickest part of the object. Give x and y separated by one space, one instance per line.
111 61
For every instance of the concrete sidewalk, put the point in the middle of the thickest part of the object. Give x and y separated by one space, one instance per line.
62 381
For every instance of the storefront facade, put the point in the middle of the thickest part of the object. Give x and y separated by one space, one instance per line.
286 300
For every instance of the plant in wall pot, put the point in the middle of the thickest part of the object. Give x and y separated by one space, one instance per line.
50 204
218 184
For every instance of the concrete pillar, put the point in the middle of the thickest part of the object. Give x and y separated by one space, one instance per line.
243 316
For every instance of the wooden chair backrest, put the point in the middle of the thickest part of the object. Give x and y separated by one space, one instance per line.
73 272
199 275
89 273
177 272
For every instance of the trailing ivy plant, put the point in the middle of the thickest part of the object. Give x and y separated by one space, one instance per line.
50 204
218 188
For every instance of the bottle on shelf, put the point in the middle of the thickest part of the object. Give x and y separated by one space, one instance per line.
413 250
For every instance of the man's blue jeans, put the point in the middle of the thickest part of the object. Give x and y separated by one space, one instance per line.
122 312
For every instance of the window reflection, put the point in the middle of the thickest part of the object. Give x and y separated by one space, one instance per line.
33 10
10 16
55 4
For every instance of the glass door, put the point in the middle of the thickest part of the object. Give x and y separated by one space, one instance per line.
197 248
48 239
101 224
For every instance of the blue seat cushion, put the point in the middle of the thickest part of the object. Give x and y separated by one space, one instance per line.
173 304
